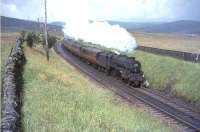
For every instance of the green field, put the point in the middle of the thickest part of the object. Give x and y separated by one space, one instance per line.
178 77
59 98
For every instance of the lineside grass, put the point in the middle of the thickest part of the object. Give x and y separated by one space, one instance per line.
181 78
58 98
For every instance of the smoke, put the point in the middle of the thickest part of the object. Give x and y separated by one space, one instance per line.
102 33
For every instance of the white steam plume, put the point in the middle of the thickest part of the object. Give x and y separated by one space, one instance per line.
102 33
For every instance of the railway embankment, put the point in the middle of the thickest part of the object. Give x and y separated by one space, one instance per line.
176 78
12 90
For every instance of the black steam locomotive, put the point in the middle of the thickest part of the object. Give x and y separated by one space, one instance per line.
128 68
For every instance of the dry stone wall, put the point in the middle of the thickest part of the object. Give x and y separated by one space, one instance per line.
12 90
193 57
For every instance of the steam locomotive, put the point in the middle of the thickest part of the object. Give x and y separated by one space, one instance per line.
127 68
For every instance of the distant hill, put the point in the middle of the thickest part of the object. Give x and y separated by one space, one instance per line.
131 25
61 24
14 24
183 27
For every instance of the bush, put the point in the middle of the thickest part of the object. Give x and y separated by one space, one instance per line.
33 38
23 36
30 39
51 41
37 38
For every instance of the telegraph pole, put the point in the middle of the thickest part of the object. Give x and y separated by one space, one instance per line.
45 28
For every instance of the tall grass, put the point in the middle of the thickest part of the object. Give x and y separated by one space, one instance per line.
181 78
58 98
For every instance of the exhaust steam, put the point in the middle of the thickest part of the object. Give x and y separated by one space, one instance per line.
102 33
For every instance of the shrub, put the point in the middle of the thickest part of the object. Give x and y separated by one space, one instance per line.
33 38
23 36
30 39
51 41
37 38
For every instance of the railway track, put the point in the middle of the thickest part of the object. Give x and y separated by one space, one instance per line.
185 117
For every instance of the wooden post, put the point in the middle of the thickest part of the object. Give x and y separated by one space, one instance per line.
45 28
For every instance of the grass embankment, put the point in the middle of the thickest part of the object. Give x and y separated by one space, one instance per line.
181 78
169 41
58 98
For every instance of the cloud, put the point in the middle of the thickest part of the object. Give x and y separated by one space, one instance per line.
187 9
121 10
7 9
130 9
21 9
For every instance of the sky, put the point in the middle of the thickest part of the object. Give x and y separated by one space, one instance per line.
117 10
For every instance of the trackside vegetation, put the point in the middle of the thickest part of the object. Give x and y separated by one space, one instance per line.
37 39
58 98
171 75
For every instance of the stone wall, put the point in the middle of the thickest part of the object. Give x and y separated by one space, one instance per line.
193 57
12 90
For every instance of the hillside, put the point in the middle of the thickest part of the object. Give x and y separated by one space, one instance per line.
183 27
188 27
180 27
14 25
58 23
